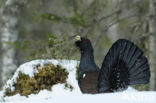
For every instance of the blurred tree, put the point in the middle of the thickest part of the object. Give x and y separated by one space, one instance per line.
9 34
152 43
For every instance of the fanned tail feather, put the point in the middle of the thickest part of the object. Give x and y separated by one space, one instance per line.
123 65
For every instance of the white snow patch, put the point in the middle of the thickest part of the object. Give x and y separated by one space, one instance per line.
60 94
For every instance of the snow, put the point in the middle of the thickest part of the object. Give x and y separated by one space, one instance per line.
60 94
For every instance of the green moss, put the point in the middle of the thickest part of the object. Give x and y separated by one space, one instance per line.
69 86
76 20
140 87
50 16
46 77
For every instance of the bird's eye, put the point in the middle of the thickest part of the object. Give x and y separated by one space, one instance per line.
85 40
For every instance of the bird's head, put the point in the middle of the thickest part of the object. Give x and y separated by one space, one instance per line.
83 44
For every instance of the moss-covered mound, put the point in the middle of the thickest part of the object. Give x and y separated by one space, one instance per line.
46 77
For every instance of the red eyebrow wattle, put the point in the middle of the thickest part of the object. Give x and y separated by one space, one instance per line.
85 40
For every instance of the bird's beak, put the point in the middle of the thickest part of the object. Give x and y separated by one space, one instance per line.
78 38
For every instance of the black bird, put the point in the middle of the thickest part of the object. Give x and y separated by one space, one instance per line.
123 65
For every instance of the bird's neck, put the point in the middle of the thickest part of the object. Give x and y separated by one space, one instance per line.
87 56
87 63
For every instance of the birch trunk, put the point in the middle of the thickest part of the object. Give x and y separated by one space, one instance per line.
152 44
9 34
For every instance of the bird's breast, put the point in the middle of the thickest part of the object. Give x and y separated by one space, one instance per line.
89 82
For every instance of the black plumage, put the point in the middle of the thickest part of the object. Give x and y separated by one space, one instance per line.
123 65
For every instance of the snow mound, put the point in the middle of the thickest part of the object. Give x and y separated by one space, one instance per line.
60 94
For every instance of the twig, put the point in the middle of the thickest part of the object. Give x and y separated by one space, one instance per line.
110 25
90 6
75 7
105 17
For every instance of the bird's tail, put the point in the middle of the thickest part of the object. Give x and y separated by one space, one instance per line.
123 65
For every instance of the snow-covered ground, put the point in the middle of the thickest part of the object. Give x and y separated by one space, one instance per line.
61 95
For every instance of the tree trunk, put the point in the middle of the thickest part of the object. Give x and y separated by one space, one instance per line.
152 44
9 34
